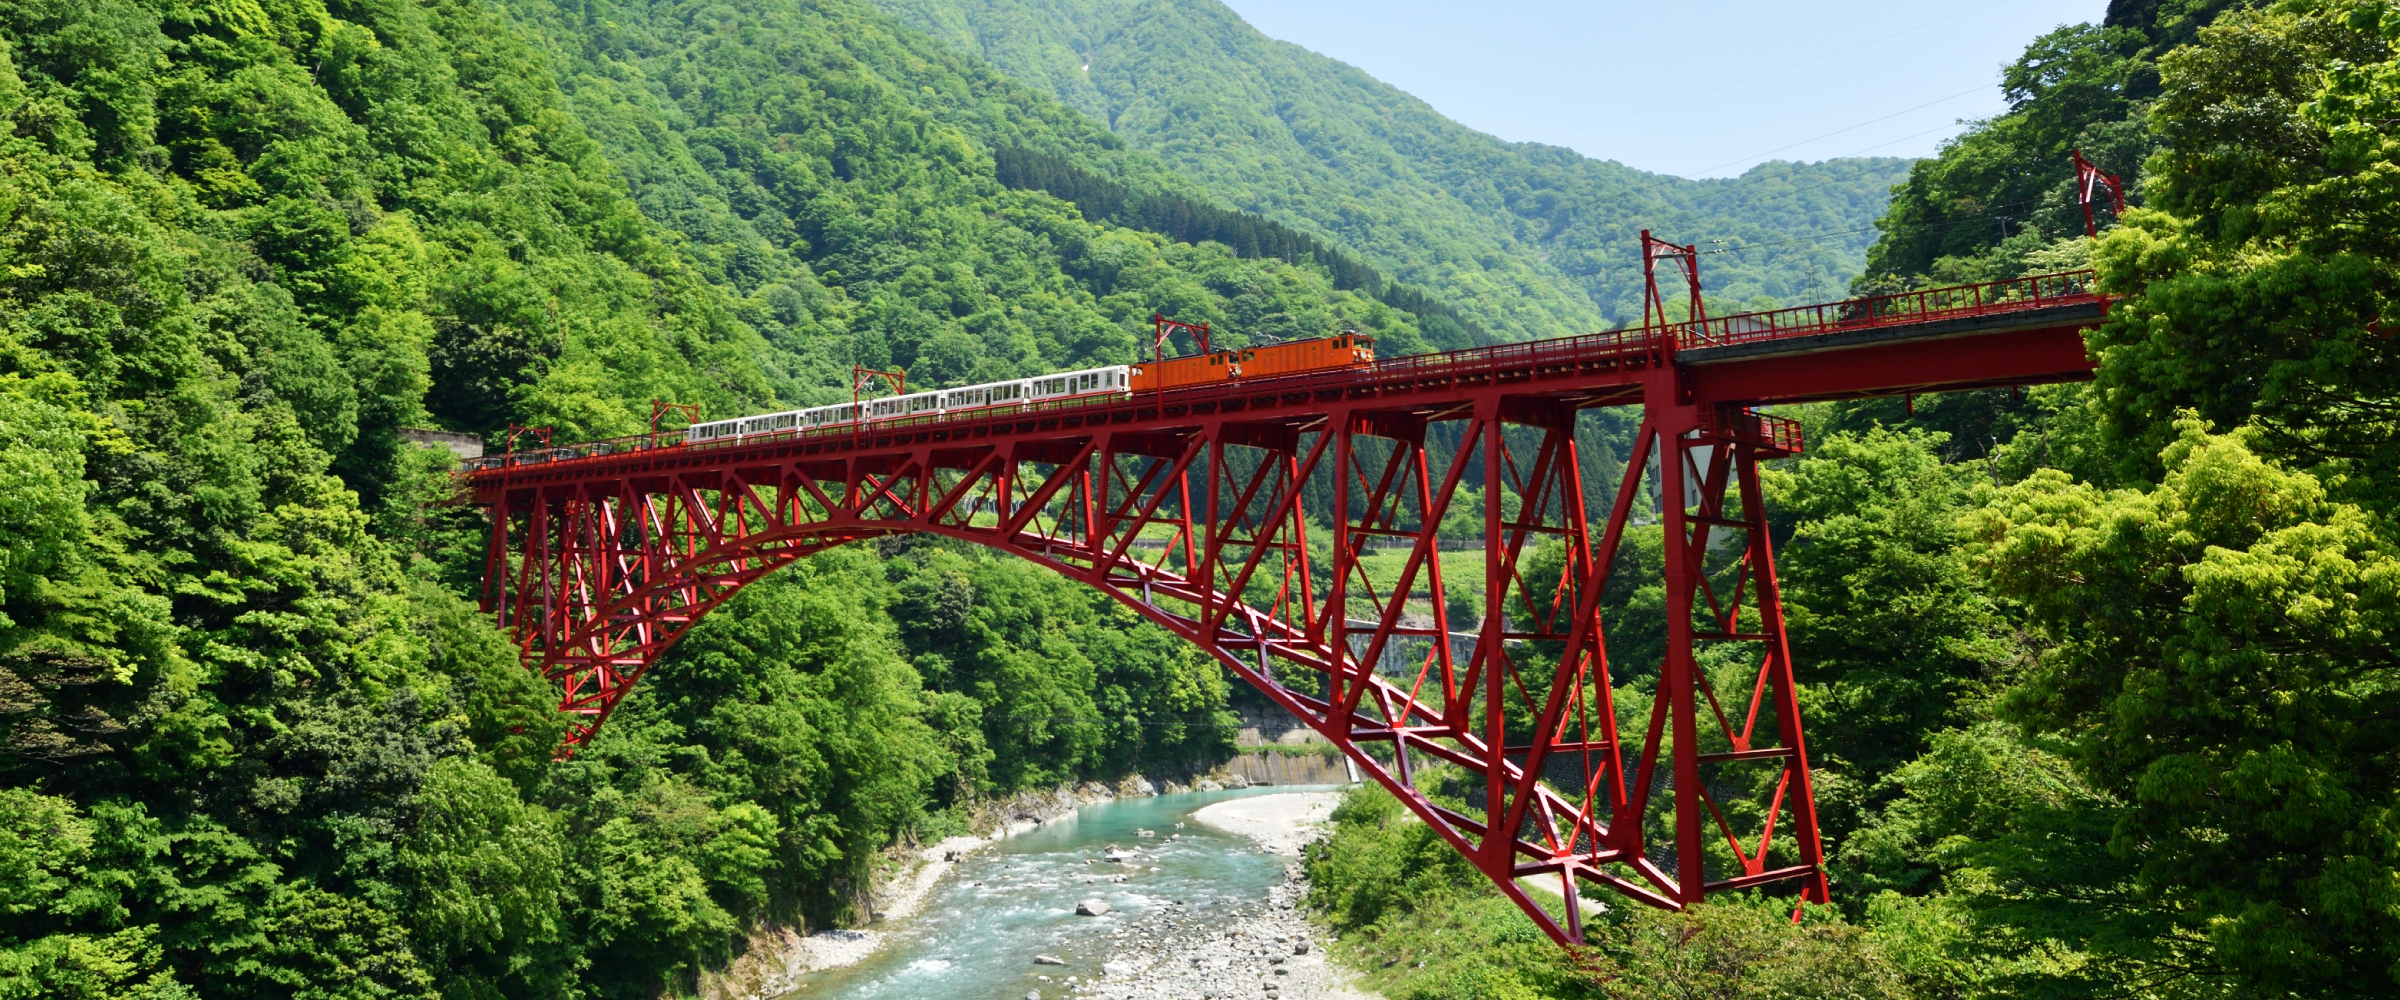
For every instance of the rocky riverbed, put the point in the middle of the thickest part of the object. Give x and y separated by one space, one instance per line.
1267 950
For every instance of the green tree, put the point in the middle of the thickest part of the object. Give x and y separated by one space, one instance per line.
1893 638
2214 650
2256 289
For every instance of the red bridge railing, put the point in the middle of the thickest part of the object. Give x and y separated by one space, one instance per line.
1922 306
1904 308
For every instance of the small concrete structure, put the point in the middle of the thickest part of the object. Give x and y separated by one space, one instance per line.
461 445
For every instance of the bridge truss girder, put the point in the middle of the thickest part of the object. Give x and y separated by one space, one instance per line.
1263 539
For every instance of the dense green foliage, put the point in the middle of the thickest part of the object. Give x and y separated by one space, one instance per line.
2181 783
834 174
1527 240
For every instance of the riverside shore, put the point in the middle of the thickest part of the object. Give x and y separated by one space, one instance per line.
779 956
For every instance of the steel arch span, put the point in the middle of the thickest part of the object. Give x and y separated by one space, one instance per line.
1291 528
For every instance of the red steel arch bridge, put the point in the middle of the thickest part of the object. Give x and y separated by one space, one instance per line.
1288 526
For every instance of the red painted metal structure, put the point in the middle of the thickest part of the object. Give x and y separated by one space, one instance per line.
2090 180
1161 326
1287 525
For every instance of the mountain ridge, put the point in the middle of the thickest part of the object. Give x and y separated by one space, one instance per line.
1525 238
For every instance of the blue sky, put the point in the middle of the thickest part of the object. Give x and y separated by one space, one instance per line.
1741 81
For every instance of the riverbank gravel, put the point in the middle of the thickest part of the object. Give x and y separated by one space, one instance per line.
1281 823
1261 950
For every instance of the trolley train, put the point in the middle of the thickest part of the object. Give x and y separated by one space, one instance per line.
1343 350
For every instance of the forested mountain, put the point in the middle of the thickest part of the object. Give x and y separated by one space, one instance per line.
1528 240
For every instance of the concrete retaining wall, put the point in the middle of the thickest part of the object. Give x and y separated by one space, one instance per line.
1268 768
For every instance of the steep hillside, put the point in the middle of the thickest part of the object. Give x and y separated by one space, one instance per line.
1527 239
835 172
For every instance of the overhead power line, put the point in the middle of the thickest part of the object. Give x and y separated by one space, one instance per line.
1760 76
1860 125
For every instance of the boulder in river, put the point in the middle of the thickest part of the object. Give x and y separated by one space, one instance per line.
1091 908
1048 960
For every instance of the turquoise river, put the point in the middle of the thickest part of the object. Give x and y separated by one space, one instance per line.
978 931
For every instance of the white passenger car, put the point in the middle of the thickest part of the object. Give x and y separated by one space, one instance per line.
1114 380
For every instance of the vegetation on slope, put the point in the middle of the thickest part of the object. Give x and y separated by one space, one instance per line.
1527 240
256 742
1247 235
835 172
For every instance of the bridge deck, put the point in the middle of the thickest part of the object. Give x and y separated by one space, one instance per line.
2021 331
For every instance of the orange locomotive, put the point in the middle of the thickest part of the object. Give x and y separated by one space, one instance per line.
1342 350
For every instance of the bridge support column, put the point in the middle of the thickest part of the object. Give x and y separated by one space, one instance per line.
1724 627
